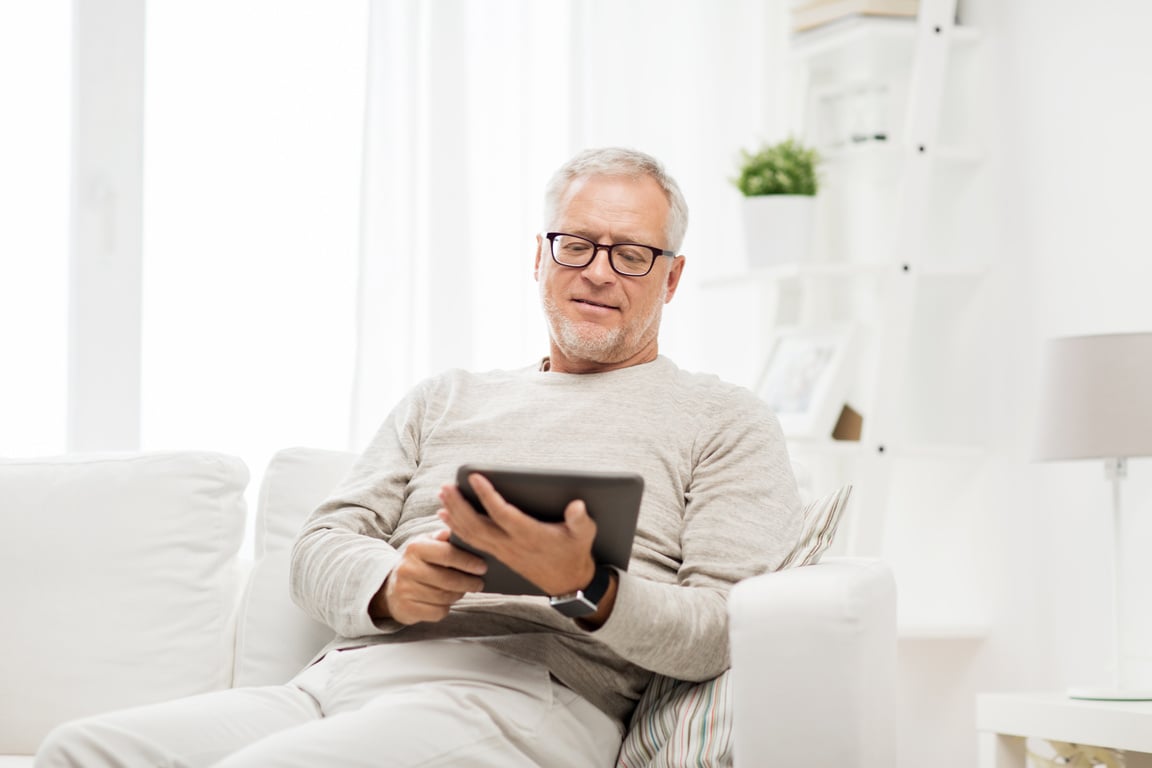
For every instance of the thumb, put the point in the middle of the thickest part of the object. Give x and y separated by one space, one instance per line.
577 519
441 535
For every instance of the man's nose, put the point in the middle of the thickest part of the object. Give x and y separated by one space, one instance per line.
599 270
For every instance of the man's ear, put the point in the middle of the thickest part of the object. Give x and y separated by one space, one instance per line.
674 277
539 250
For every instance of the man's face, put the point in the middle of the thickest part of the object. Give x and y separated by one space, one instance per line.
599 320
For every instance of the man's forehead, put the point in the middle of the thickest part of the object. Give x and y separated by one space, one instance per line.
579 182
637 193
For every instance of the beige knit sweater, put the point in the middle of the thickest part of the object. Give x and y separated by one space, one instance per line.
720 504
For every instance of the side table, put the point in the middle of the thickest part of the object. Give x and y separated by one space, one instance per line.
1005 720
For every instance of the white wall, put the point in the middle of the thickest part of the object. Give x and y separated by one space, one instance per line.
1066 89
1082 139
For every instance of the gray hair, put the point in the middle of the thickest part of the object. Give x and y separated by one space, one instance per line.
619 161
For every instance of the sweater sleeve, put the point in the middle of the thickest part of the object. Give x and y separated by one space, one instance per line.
342 555
742 515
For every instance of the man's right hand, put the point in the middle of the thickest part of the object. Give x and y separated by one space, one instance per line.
431 576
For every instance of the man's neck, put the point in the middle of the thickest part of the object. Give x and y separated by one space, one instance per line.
560 364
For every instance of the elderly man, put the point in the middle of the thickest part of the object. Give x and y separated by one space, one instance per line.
427 669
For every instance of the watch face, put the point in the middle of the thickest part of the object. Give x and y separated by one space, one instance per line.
584 602
573 606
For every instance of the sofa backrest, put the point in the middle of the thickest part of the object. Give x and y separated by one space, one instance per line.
118 581
274 638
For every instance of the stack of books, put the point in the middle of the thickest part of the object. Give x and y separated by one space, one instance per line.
815 13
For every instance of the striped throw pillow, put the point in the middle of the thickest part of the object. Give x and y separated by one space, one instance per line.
821 519
677 723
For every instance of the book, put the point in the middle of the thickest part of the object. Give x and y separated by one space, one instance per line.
815 13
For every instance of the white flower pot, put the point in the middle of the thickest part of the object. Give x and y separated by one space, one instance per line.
778 229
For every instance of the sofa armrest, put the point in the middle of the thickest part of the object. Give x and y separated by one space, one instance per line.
814 665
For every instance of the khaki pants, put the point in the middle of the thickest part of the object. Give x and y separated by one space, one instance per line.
434 703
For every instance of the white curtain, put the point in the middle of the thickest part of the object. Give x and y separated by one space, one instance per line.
454 147
472 105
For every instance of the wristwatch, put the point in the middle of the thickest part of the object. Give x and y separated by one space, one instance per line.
584 602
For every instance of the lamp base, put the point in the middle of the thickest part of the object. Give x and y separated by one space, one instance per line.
1103 693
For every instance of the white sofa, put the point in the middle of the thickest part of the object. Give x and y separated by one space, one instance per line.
121 585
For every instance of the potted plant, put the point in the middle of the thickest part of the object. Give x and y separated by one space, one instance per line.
779 184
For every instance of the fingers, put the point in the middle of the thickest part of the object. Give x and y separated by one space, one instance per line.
436 550
430 578
477 529
487 493
501 516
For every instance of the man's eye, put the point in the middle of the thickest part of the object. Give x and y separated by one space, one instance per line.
633 256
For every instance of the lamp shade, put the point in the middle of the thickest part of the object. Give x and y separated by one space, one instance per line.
1096 397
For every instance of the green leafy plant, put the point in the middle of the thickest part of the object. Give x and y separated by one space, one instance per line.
786 168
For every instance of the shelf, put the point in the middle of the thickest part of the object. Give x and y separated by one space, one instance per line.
939 451
930 451
827 271
836 37
801 271
891 152
941 631
825 446
960 154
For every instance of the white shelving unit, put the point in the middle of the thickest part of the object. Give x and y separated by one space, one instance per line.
895 261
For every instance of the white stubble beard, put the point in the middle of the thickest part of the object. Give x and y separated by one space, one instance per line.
593 342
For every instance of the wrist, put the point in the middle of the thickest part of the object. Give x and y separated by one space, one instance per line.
605 607
378 605
586 600
587 577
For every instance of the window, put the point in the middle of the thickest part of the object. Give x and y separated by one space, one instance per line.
253 123
35 66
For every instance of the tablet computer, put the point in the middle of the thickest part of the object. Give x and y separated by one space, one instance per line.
612 499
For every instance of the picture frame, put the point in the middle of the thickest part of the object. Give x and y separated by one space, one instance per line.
805 379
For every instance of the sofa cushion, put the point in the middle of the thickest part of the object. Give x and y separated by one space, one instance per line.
274 638
681 723
119 564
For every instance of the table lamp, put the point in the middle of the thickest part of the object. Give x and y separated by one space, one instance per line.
1096 403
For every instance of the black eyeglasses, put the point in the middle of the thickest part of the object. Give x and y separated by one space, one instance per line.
628 259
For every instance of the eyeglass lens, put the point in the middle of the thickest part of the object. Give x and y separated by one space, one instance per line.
626 258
